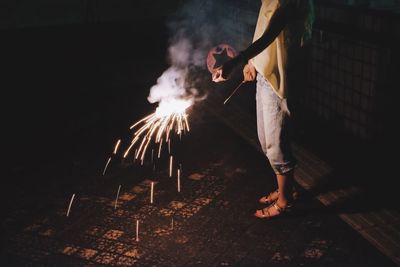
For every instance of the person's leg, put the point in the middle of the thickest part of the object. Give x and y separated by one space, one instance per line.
261 131
285 187
272 121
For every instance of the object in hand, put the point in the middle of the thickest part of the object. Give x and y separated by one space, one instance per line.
218 55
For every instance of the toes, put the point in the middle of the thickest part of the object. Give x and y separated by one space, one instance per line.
259 214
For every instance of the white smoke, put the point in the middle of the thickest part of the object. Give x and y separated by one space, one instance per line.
171 85
180 53
199 26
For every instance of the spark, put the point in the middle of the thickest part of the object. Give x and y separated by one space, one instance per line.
179 180
105 168
152 193
116 199
137 230
159 149
70 204
171 158
170 116
116 146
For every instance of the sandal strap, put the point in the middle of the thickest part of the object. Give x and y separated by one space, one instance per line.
279 209
269 196
265 212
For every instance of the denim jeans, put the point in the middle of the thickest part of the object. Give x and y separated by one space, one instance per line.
273 119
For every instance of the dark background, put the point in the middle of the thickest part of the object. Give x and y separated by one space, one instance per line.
76 74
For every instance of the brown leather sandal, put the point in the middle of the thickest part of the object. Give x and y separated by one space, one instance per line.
270 198
265 212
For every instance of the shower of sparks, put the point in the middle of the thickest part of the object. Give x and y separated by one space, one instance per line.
116 199
70 204
105 168
170 116
171 158
116 146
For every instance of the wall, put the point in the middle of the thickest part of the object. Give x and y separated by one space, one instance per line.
351 79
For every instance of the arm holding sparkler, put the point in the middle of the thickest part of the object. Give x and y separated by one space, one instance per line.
282 27
278 22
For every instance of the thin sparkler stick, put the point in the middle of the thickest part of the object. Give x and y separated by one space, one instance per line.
105 168
70 204
116 199
234 91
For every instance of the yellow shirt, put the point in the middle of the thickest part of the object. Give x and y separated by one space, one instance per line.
271 62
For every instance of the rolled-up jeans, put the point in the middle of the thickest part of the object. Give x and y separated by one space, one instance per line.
273 127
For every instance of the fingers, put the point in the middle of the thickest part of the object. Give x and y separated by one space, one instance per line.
249 74
217 76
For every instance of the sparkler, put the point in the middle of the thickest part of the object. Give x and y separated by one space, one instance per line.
170 116
70 204
234 91
116 199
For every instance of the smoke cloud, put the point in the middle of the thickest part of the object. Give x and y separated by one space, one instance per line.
195 28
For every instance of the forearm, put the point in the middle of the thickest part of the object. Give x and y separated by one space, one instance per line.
276 25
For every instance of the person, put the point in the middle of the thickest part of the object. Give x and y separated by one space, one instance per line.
282 28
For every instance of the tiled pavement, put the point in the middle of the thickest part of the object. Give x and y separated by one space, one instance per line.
210 223
379 225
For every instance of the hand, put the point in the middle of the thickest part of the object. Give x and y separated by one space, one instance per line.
217 75
249 72
222 73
